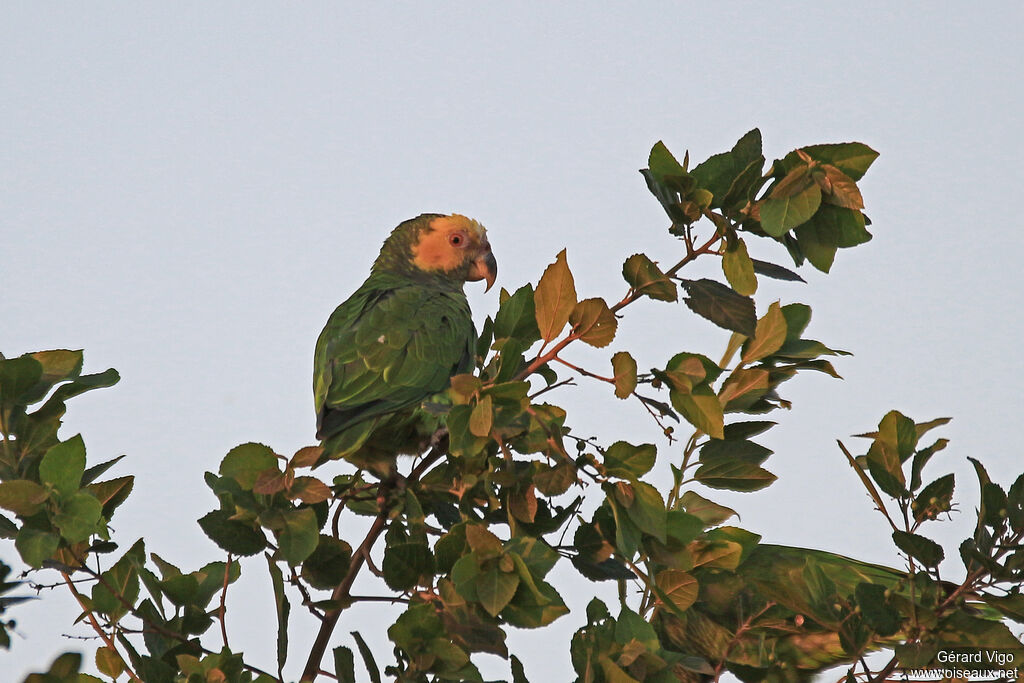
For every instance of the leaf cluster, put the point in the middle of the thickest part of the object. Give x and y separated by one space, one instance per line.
464 537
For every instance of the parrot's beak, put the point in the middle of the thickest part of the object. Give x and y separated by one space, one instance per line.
484 267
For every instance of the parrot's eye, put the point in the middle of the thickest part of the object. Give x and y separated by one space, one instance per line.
457 239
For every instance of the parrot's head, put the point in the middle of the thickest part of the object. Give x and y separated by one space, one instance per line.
453 248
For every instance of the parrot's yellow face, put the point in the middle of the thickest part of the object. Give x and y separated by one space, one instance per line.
450 244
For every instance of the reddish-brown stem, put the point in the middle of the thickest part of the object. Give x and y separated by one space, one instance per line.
91 618
222 610
586 373
631 296
342 591
316 653
743 628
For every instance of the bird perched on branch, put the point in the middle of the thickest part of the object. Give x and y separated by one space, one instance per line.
398 340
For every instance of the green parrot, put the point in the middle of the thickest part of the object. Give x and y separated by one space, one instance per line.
398 340
800 606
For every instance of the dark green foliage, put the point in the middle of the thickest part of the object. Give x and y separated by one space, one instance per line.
462 541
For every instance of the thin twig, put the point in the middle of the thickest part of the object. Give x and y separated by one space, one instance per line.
631 296
735 640
587 373
377 598
869 485
361 556
91 618
222 610
564 383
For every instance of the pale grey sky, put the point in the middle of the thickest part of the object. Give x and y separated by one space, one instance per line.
187 190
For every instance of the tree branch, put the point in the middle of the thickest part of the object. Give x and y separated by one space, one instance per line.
91 618
342 592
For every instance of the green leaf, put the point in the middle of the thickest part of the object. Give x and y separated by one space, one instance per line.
893 443
745 430
769 335
516 317
597 611
644 276
8 529
231 535
112 493
711 513
538 556
733 475
741 450
527 610
678 586
795 199
629 462
329 562
367 654
994 505
683 527
495 589
631 626
63 465
212 578
889 480
852 158
298 538
648 510
744 387
934 499
701 408
120 584
1015 505
898 434
36 546
554 481
344 664
518 673
624 369
662 163
405 563
831 228
594 322
78 517
924 550
282 608
484 543
720 173
819 244
63 670
721 305
627 534
482 418
469 629
613 673
17 377
555 298
739 269
108 662
245 463
464 574
22 496
775 271
716 554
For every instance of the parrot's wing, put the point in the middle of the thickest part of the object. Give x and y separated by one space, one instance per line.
384 350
